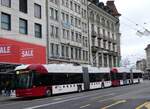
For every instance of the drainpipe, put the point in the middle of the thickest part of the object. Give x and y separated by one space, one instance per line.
47 32
89 39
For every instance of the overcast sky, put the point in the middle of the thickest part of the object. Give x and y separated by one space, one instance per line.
133 12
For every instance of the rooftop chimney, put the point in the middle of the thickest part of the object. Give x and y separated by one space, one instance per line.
111 5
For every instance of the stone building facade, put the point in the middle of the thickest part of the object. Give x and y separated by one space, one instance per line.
147 50
141 65
104 34
58 31
67 31
22 31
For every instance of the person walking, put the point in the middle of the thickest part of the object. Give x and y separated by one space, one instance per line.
7 88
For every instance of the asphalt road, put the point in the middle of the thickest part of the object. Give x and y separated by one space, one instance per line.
125 97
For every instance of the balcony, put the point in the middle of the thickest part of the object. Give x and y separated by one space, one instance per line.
104 37
95 48
100 36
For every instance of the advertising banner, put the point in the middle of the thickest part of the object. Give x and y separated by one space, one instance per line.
20 52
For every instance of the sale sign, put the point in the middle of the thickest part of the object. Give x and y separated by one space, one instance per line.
5 49
12 51
27 53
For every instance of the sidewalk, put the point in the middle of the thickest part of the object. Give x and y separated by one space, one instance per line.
4 98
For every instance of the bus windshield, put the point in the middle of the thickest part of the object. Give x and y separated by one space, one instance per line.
24 80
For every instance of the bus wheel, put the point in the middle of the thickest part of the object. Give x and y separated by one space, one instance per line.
48 93
79 88
102 85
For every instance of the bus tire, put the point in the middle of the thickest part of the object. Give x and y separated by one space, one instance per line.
48 93
102 85
79 88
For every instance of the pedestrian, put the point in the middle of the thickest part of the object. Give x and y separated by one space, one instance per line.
7 88
102 84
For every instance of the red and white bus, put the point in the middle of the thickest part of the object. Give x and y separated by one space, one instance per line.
137 76
46 80
125 76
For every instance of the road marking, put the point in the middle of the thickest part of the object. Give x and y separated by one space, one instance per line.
85 106
76 98
116 103
147 105
62 101
117 89
106 99
142 105
94 98
57 99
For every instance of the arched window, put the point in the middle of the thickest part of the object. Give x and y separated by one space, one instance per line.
108 24
103 21
112 26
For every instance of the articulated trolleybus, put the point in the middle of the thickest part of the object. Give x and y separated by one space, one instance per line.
46 80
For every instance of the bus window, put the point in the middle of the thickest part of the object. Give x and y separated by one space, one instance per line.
128 76
119 76
24 80
106 77
42 79
137 75
95 77
113 76
66 78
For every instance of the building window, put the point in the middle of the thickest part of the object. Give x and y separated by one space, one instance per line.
76 53
72 53
23 6
52 31
51 13
68 34
23 26
104 44
92 16
52 49
80 54
6 3
71 5
86 55
62 51
100 60
72 35
62 2
38 30
105 60
67 52
110 61
54 1
57 50
57 32
5 21
56 15
72 21
37 10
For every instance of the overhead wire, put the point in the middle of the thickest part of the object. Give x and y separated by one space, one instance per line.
140 33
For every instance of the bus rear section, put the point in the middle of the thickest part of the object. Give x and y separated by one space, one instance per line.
137 76
114 77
